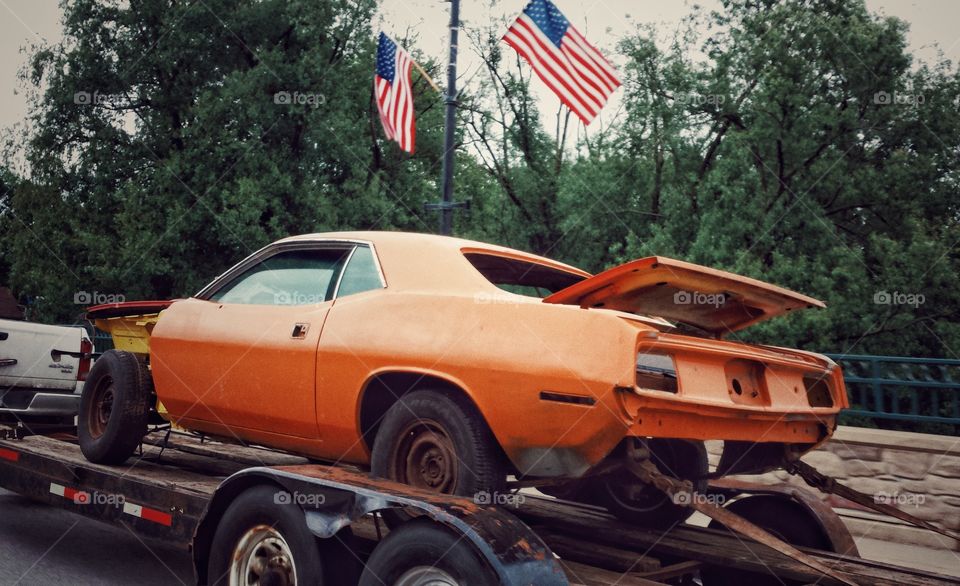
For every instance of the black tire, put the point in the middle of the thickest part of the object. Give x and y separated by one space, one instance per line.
477 463
338 556
631 500
254 515
422 544
114 408
782 517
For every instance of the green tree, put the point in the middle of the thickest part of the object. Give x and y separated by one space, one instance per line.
792 141
184 136
809 153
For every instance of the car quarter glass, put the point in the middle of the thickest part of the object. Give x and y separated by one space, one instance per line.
361 273
291 277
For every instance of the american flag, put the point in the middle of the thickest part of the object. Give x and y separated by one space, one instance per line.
580 76
391 83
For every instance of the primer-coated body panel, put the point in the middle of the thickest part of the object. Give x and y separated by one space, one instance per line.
556 383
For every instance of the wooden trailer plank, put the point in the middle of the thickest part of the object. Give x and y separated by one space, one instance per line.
240 454
711 547
594 554
586 575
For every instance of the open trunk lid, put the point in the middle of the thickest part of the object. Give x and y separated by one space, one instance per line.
715 301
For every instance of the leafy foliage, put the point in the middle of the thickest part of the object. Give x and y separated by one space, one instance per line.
795 142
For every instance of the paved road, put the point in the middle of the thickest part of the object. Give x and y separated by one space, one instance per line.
41 545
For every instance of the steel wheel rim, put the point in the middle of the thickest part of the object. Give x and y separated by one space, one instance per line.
426 458
426 576
262 550
631 493
99 416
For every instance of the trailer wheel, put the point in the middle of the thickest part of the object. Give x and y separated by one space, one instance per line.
420 553
783 518
114 408
263 538
431 441
634 501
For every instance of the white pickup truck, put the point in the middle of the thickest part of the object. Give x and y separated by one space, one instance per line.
42 368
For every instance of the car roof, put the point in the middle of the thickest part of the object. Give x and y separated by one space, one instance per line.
412 260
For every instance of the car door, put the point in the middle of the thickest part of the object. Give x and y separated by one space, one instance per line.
244 356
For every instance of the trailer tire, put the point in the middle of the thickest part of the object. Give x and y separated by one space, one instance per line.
424 549
260 522
114 408
339 559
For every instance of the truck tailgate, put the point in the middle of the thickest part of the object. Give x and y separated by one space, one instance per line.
25 359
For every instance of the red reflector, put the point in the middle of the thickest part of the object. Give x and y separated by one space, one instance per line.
9 455
152 515
156 517
86 347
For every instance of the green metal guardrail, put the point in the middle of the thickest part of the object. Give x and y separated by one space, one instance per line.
921 390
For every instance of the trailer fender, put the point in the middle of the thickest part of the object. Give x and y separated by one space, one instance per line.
826 519
333 498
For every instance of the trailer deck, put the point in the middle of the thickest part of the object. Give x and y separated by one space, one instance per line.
167 490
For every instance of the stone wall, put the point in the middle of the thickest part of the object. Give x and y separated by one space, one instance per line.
916 472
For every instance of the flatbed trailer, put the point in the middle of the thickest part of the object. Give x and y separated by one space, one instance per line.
179 490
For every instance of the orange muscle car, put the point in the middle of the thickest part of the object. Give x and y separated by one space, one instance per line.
450 364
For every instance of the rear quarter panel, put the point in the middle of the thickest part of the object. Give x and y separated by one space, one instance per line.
502 351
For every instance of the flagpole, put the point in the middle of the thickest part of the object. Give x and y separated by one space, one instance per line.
424 75
449 136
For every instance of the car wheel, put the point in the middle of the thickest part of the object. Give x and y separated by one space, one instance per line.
114 408
433 441
637 502
262 541
420 553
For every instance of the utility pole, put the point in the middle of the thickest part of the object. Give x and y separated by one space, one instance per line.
447 205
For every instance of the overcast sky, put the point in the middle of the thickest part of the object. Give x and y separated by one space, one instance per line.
23 22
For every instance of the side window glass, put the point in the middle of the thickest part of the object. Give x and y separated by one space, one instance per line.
361 273
294 277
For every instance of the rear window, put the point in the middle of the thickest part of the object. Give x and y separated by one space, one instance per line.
521 276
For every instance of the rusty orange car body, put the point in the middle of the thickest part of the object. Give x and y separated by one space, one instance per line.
560 380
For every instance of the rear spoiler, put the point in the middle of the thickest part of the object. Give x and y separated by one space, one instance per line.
127 308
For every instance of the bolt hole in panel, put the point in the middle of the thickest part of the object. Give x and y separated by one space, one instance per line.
746 383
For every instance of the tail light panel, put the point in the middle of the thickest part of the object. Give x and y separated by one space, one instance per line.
818 391
656 372
735 375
